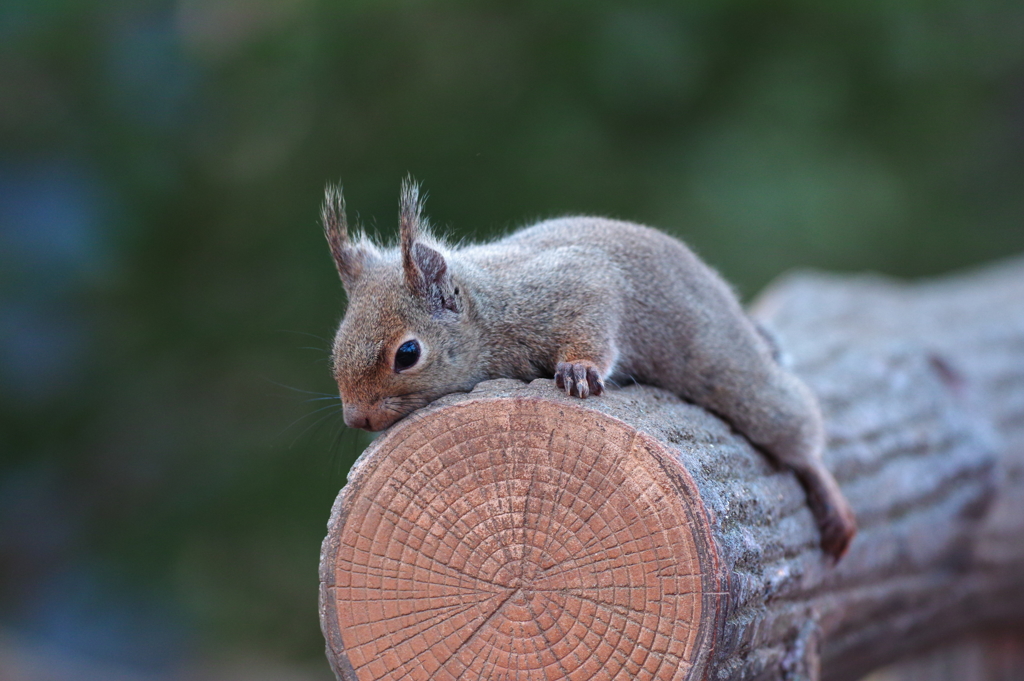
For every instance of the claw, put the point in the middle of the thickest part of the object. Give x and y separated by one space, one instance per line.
579 375
578 378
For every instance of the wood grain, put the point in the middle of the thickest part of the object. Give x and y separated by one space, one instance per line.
499 539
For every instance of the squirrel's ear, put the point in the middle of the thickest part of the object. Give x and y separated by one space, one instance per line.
347 259
431 279
426 271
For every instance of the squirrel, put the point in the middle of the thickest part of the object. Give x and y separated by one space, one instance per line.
584 300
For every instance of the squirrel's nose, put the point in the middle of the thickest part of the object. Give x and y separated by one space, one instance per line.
356 418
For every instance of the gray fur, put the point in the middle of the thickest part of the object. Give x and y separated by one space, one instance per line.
580 299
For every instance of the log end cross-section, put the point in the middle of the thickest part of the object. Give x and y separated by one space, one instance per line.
521 539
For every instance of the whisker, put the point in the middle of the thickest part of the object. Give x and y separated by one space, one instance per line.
417 399
408 401
305 333
310 426
413 393
298 390
335 460
336 407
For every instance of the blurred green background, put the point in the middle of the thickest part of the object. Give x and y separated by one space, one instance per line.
166 298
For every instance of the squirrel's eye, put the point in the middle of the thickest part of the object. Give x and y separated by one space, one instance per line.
407 355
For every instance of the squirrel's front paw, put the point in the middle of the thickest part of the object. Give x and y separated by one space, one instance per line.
578 378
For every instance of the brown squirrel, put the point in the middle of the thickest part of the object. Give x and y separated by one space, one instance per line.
580 299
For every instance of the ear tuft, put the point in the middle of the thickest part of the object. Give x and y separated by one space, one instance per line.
348 260
410 218
426 271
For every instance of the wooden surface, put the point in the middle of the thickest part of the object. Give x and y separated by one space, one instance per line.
504 538
515 533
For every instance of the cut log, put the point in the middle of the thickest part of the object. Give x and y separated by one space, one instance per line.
515 533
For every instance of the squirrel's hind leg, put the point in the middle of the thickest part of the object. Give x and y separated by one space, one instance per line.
833 514
795 435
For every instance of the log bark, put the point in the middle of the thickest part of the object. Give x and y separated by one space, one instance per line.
997 656
513 532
